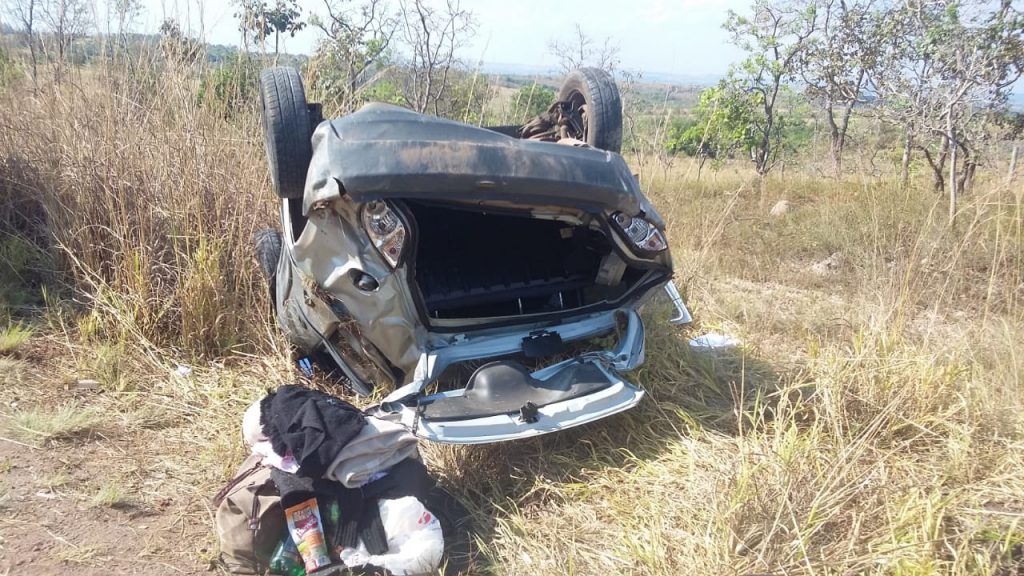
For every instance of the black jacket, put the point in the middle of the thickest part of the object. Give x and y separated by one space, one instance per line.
312 425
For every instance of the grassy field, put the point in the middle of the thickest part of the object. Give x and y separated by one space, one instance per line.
870 422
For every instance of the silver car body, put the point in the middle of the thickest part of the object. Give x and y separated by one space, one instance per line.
392 155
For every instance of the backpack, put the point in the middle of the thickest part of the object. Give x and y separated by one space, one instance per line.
249 519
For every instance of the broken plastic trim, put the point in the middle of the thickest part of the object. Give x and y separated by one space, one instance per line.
530 420
627 355
682 314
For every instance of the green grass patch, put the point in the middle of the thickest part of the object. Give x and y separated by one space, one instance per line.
13 336
109 495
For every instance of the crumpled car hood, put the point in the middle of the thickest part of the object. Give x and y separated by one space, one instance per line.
384 151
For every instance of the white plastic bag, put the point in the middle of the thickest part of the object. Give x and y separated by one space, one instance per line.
415 540
713 341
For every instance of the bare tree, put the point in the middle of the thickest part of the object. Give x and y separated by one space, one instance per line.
66 20
432 36
25 13
358 38
578 50
126 12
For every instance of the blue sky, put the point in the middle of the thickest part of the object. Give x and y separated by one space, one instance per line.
681 37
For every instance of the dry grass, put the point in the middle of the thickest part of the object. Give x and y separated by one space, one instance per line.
150 197
66 422
871 423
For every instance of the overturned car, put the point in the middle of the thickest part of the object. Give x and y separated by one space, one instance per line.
436 261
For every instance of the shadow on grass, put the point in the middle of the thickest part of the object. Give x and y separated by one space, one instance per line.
687 391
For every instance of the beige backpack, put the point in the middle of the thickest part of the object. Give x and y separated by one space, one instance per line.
250 521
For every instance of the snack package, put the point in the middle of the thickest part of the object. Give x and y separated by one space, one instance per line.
306 528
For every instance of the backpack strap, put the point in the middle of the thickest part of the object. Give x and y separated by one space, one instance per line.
223 493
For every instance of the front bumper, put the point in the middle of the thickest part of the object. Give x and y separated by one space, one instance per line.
551 398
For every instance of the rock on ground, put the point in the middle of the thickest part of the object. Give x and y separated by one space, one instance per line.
781 208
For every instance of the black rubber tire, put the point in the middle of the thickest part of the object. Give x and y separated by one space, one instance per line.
268 252
286 130
459 544
598 90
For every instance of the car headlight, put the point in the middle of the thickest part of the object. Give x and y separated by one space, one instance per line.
386 230
643 235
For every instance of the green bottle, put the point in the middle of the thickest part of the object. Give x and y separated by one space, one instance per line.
286 560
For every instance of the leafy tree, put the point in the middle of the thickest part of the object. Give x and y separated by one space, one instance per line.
232 86
723 124
8 69
357 45
948 68
530 101
836 63
258 21
175 45
385 91
466 99
776 38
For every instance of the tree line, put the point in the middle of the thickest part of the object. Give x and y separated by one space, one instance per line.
937 71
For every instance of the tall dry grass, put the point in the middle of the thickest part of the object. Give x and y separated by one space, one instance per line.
150 197
870 423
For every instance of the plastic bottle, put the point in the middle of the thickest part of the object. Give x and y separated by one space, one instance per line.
286 560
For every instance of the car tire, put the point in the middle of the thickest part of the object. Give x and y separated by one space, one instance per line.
596 89
286 130
459 551
268 254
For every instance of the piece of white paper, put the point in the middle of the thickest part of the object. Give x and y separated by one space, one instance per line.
713 341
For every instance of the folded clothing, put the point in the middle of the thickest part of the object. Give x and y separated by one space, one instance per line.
311 426
378 446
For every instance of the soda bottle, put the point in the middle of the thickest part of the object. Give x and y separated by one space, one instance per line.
286 560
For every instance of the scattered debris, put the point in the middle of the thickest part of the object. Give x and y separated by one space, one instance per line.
84 384
713 341
781 208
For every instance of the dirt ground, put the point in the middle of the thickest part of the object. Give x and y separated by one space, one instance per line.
117 490
49 529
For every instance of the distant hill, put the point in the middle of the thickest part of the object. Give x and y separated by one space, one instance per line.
90 47
540 71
